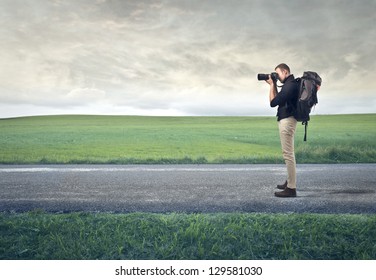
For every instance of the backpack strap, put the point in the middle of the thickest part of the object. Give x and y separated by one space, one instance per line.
305 123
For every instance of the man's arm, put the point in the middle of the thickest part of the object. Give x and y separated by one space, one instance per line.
288 92
272 90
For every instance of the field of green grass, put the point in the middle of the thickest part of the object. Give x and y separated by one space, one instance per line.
77 236
150 140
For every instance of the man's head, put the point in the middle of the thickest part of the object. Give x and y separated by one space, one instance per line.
283 72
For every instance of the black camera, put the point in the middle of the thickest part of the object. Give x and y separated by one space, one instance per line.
264 77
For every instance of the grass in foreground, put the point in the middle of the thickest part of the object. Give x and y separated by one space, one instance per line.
78 236
152 140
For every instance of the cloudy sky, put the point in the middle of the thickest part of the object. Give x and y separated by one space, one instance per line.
188 57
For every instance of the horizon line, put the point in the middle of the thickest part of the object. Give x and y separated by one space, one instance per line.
173 116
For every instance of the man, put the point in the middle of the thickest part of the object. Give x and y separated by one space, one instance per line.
286 100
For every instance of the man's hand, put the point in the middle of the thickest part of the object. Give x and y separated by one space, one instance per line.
269 81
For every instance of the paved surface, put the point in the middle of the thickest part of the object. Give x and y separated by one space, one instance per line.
186 188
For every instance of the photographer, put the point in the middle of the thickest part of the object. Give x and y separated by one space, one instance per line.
285 100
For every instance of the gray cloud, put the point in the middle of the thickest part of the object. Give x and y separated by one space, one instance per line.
181 57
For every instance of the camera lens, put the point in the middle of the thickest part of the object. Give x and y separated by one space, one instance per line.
262 77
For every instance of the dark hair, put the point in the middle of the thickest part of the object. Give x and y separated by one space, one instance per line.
283 66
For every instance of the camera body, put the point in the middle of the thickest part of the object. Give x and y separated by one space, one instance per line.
264 77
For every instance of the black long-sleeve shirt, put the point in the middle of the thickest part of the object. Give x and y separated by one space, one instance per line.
286 98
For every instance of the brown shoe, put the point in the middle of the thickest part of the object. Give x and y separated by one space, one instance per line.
282 187
287 192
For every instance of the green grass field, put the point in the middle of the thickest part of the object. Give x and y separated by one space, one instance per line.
37 235
151 140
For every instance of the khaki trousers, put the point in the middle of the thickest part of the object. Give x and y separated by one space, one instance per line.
287 129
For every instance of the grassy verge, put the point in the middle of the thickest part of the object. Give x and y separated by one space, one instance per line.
152 140
38 235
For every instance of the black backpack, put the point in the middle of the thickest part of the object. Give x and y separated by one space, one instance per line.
307 98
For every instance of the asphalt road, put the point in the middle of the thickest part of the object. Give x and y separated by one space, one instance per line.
186 188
